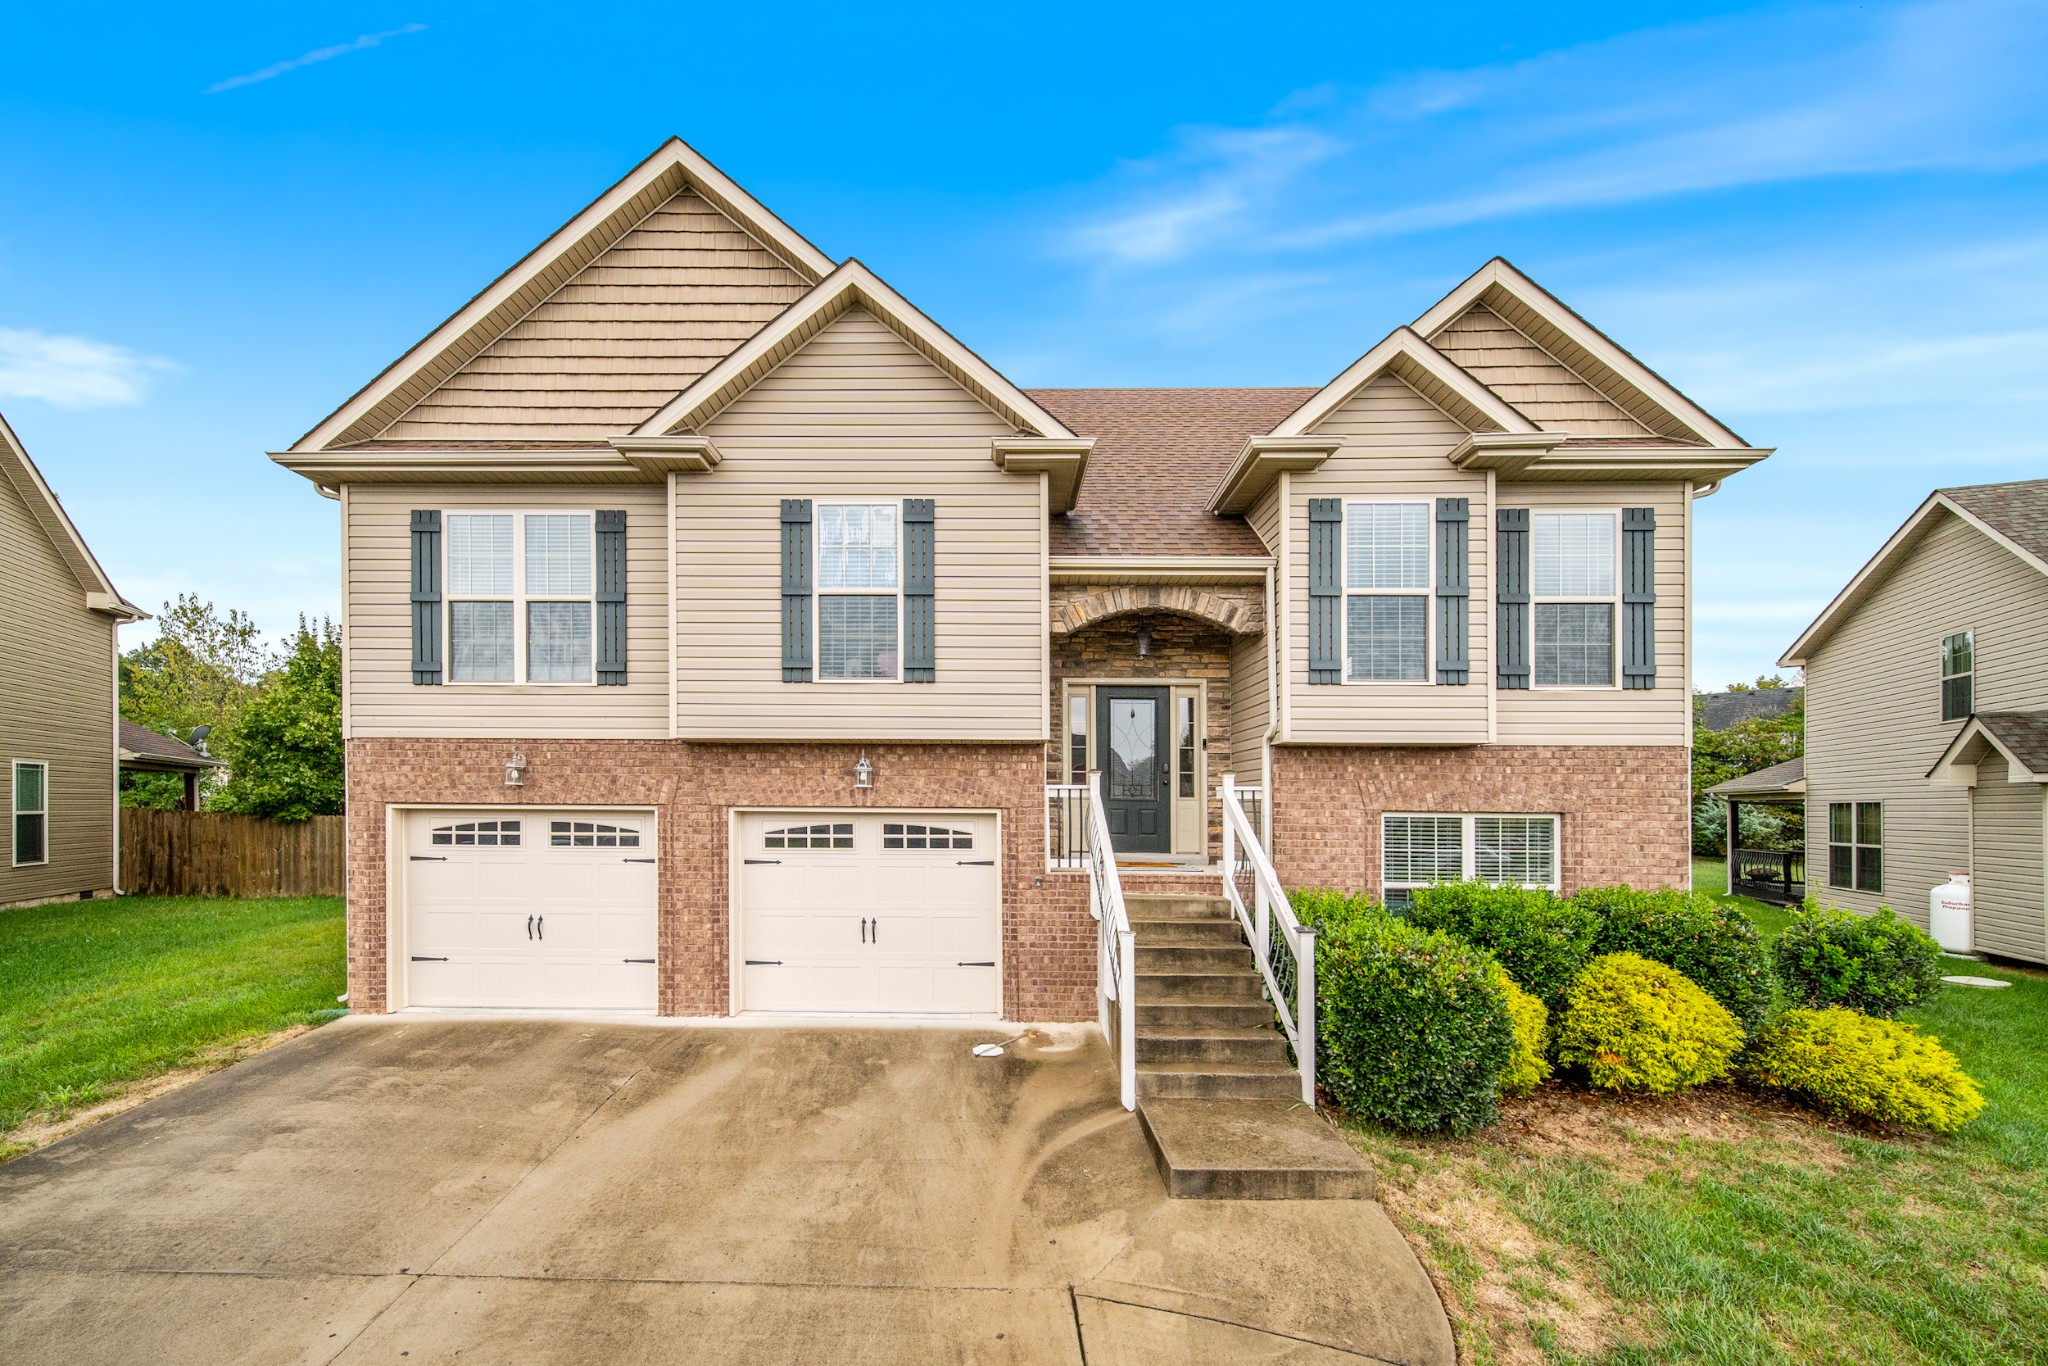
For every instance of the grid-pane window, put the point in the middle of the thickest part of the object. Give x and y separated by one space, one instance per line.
1184 721
1507 850
1386 584
1856 845
859 628
857 637
1958 668
824 835
520 604
1573 571
31 813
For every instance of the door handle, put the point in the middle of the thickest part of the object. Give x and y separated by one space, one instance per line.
540 928
875 931
638 860
418 959
529 927
989 964
429 858
639 960
975 862
863 929
764 962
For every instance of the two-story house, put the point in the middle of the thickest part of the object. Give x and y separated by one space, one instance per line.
59 642
1927 718
720 632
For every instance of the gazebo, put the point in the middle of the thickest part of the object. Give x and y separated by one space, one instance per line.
143 750
1774 875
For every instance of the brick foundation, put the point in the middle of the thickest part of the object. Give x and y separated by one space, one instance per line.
1048 936
1625 809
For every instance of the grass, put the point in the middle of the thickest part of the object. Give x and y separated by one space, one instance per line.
97 996
1725 1227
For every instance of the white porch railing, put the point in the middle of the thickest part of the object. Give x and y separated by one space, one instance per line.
1252 797
1066 825
1116 947
1283 947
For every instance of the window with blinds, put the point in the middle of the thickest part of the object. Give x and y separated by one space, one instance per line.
1386 592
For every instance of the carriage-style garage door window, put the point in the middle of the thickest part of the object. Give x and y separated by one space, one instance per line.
860 581
519 597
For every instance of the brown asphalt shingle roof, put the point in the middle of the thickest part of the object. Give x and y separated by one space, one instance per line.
2017 511
148 744
1775 779
2024 733
1157 459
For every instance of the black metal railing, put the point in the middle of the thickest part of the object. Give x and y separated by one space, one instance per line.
1066 826
1774 875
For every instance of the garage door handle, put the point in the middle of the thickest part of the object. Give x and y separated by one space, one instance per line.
639 960
529 927
429 858
764 962
761 860
417 959
637 860
975 862
974 965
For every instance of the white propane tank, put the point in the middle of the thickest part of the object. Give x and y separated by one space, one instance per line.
1948 914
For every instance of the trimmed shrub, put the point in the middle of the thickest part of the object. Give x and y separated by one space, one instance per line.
1412 1026
1326 908
1636 1025
1529 1064
1850 1064
1541 940
1878 964
1714 945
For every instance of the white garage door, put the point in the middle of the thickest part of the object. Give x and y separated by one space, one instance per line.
853 912
518 907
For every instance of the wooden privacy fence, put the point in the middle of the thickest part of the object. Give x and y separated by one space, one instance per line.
210 853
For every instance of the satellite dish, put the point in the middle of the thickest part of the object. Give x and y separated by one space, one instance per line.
198 737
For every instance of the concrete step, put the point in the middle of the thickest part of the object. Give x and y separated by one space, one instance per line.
1211 1043
1218 1081
1252 1150
1195 958
1188 931
1216 1012
1196 986
1176 907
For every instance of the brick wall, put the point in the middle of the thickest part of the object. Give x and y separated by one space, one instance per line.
1625 809
1048 936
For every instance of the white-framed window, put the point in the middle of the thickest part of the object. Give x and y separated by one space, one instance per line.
860 592
520 590
1504 849
1574 578
31 813
1387 581
1958 667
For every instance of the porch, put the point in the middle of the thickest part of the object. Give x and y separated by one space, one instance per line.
1774 876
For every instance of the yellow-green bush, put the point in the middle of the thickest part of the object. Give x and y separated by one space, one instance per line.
1851 1064
1635 1025
1528 1062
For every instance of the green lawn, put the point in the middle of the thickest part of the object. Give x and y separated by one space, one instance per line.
98 995
1724 1228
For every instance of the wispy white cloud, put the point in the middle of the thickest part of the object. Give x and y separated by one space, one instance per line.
318 54
73 372
1745 101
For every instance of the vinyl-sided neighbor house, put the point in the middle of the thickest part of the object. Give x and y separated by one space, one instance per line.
1927 718
58 644
721 631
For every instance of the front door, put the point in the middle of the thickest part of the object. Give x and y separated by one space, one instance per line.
1137 772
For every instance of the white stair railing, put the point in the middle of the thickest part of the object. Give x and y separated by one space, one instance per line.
1116 947
1283 947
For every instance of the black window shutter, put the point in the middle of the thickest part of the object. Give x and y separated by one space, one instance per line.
796 590
1325 589
611 598
1453 577
1511 597
1639 598
426 597
920 651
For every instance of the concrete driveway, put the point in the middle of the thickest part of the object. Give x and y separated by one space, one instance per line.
426 1189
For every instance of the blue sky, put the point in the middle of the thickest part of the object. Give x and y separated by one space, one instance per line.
1823 222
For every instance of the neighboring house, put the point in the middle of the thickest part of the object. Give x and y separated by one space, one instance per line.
146 751
718 627
1720 710
1926 708
58 620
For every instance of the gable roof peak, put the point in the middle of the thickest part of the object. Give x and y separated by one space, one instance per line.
1406 354
18 470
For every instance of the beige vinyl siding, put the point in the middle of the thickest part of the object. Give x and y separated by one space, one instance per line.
859 413
1612 716
56 707
1250 710
1873 704
1546 391
621 337
2007 891
1396 449
382 699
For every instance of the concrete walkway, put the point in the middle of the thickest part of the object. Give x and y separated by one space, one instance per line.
543 1191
